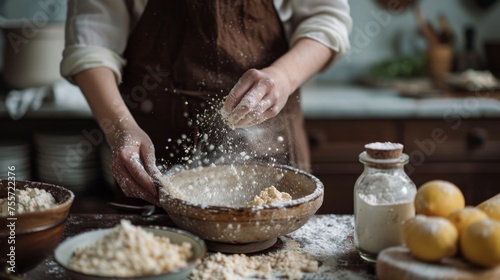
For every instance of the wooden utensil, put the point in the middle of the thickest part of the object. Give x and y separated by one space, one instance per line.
398 263
446 36
428 32
144 210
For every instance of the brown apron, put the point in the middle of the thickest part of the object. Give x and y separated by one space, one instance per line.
183 57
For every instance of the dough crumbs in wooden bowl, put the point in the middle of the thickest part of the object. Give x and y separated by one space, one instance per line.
384 150
40 211
29 200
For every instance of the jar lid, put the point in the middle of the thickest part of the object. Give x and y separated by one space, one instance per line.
384 150
364 157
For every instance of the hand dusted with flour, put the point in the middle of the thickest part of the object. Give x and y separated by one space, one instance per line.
256 97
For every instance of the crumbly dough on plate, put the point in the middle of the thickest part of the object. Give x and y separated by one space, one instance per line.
129 251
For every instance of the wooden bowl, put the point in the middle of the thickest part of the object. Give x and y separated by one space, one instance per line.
36 233
211 201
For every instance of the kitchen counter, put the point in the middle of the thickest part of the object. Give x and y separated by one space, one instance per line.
358 102
342 101
328 238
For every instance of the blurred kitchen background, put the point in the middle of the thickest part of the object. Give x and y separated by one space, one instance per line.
422 73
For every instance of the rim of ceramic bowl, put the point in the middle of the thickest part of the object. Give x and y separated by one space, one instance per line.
318 191
190 264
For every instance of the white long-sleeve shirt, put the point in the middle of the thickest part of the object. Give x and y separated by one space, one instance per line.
97 31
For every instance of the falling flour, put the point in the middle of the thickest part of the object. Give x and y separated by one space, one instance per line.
29 200
215 141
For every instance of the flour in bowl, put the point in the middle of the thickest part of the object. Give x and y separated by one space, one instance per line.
270 196
129 251
29 200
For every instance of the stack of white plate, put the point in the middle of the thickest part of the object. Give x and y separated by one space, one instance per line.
16 155
69 160
107 173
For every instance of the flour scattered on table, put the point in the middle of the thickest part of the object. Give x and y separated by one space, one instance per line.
29 200
321 249
290 262
270 196
329 240
129 251
54 271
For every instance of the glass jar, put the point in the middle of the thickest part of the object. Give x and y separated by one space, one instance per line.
383 200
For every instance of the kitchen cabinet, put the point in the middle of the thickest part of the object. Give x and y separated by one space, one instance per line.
465 152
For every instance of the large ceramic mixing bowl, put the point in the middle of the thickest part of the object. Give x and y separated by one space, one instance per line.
36 234
211 201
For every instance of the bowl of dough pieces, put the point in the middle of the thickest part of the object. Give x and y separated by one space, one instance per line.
240 208
127 251
33 223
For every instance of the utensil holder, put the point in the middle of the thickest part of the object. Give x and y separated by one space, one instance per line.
439 61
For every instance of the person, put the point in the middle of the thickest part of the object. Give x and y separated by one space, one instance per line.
150 70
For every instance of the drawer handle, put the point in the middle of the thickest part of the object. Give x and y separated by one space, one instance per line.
315 140
476 138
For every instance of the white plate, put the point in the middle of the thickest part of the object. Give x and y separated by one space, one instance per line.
70 185
64 251
62 137
67 179
14 152
83 164
19 163
64 152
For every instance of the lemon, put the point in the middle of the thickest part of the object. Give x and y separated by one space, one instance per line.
438 198
491 207
462 218
480 243
430 238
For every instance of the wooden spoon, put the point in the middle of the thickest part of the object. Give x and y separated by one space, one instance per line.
428 32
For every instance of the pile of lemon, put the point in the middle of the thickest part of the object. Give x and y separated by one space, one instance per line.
445 227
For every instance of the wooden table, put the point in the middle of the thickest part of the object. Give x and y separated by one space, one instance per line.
338 257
